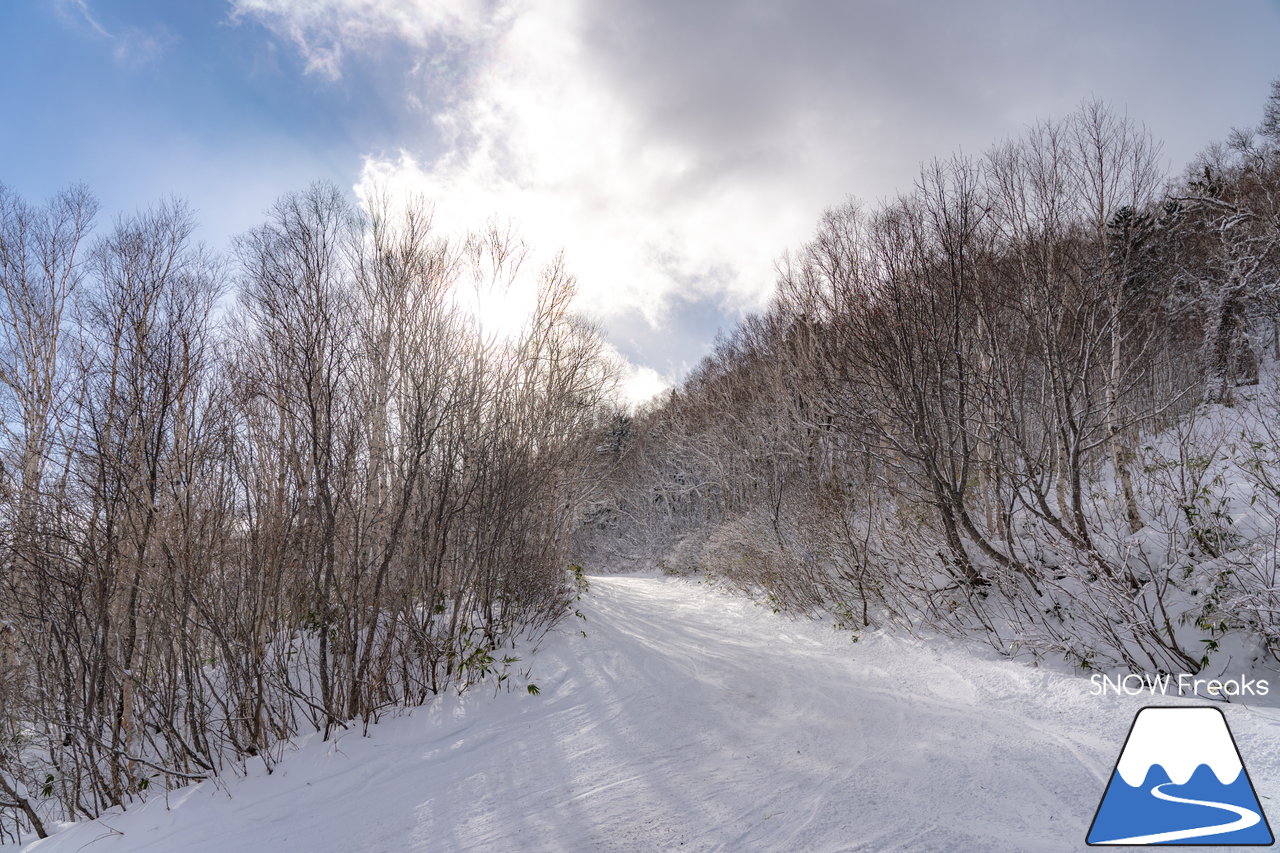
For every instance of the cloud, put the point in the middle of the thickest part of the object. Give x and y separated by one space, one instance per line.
674 150
543 136
326 32
130 46
79 11
640 384
540 133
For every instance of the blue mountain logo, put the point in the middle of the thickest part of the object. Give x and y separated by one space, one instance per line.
1180 780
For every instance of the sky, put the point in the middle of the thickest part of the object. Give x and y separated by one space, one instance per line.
673 150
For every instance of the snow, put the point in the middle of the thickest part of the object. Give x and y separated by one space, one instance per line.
1179 740
689 719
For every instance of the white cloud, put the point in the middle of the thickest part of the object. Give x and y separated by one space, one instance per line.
79 10
673 150
640 384
539 134
326 30
130 46
542 137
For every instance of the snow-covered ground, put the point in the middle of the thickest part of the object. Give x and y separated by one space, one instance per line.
688 719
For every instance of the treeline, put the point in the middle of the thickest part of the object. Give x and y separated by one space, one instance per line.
244 498
996 406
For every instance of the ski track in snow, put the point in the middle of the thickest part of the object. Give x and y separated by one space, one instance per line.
688 719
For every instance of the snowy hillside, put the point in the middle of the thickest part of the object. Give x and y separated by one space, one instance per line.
688 719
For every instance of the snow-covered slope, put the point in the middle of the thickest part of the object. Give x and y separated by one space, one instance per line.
687 719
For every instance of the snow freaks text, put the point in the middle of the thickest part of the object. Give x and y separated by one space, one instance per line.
1182 684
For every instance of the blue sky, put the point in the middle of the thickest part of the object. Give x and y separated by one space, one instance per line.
672 149
146 98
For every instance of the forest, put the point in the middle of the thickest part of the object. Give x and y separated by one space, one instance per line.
1026 401
290 490
249 497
